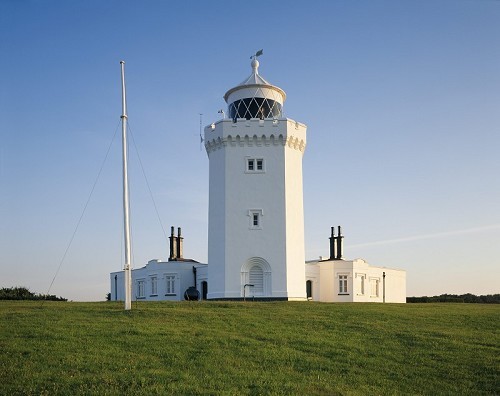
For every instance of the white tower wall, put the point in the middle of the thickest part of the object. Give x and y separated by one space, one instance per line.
274 193
216 224
295 214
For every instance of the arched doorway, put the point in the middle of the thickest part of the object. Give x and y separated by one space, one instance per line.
309 289
204 290
256 278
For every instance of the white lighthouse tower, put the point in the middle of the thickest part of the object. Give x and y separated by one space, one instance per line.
256 215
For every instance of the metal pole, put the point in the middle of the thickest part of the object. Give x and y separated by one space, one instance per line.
383 285
126 205
245 289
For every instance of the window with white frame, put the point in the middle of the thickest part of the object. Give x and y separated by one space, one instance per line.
254 165
342 284
170 285
361 283
141 288
154 285
255 216
374 286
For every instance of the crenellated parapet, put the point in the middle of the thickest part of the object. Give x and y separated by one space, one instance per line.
255 132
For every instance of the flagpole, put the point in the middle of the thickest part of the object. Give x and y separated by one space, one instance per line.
126 204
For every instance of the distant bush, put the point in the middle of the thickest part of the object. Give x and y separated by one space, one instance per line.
462 298
23 293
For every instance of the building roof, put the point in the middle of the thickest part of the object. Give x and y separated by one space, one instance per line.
254 80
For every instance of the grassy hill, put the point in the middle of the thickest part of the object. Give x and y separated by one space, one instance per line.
249 348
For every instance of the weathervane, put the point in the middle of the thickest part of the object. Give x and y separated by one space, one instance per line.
201 137
257 54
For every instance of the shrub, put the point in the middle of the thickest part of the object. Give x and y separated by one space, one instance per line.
463 298
23 293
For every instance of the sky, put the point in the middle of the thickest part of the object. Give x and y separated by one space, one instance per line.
401 99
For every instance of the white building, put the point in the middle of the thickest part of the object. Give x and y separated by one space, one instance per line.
256 219
337 280
164 280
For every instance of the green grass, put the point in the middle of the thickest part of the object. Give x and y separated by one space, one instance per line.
249 348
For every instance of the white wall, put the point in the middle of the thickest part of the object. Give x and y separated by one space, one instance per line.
276 193
323 274
182 271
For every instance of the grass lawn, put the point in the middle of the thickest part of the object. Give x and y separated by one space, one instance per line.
249 348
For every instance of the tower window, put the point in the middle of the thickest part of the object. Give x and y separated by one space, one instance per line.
255 108
255 219
254 165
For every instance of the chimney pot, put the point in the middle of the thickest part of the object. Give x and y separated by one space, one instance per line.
339 244
179 244
173 245
333 246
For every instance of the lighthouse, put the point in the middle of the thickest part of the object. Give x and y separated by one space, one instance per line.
256 220
256 211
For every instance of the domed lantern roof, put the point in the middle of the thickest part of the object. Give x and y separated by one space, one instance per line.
255 97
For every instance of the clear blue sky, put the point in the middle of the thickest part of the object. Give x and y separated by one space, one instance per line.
401 99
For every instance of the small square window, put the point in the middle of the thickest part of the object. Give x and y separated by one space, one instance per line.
254 165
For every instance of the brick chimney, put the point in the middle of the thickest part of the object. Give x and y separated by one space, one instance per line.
173 245
179 244
336 244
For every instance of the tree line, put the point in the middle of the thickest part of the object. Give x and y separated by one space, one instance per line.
23 293
457 298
